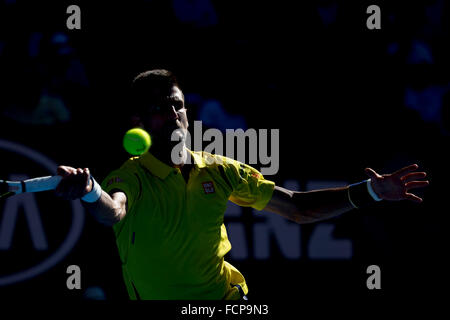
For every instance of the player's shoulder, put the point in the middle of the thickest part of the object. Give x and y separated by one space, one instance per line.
130 165
125 172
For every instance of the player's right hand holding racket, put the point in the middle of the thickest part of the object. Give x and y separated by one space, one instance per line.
75 183
71 184
79 184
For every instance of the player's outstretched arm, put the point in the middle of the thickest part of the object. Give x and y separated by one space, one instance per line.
316 205
77 183
311 206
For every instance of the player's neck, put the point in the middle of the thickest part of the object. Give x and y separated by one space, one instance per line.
184 165
165 155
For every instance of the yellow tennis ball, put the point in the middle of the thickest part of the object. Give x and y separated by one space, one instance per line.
137 141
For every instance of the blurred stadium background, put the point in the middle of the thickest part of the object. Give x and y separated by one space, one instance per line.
344 98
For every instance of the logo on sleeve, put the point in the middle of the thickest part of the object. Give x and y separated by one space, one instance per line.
113 180
255 175
208 186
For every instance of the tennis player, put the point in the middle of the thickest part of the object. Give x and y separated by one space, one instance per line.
167 215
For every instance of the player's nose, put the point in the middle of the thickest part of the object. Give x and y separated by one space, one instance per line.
173 114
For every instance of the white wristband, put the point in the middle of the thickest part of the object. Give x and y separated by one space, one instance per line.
371 192
94 194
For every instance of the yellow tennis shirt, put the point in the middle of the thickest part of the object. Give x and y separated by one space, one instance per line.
172 241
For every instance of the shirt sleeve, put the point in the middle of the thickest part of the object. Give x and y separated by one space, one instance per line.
249 188
125 181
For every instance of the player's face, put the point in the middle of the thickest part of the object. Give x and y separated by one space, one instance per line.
167 116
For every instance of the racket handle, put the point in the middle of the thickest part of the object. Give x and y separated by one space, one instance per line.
41 184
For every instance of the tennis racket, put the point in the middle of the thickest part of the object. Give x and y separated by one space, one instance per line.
11 188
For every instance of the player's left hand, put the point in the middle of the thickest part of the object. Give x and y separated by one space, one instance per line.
396 186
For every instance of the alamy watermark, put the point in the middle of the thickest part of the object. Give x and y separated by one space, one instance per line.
74 20
263 146
374 280
74 280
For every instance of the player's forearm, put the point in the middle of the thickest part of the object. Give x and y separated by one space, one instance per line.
311 206
321 204
105 210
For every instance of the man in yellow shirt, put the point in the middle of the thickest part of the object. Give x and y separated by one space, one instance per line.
167 211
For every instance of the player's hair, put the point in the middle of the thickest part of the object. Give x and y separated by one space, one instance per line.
155 78
148 85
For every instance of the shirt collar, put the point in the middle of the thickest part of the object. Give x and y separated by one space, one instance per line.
155 166
199 162
162 170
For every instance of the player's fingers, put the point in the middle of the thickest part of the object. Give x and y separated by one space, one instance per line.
406 169
75 188
86 174
62 190
413 197
371 173
75 193
64 171
65 192
71 184
416 184
74 184
87 180
61 187
84 182
79 184
413 176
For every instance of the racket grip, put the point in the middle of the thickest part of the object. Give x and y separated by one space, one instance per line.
41 183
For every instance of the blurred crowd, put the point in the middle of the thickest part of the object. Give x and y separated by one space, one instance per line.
44 78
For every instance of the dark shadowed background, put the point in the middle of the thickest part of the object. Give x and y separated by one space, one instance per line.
343 97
